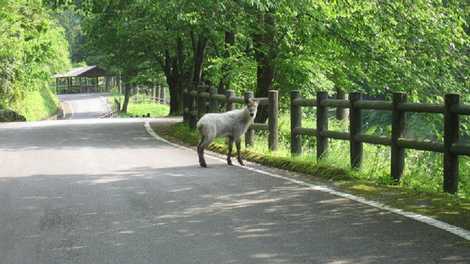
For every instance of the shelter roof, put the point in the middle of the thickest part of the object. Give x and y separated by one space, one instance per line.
87 71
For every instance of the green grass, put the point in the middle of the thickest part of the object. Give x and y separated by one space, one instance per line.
372 181
140 105
139 109
37 105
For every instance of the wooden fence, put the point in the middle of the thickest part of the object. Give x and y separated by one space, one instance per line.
157 94
451 147
206 100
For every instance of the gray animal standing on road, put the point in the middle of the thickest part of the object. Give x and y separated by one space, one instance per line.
232 124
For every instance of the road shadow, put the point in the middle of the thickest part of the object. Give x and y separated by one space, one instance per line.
75 134
86 115
191 215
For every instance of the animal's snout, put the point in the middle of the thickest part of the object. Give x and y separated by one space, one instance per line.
252 114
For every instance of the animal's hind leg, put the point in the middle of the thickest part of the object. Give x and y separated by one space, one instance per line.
229 154
239 156
200 151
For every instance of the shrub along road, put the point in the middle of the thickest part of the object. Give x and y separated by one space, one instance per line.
105 191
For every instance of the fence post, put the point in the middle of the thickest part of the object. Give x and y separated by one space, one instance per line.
119 81
355 128
201 102
213 104
229 105
118 105
398 129
162 94
451 136
295 122
154 94
186 105
250 133
273 122
158 94
340 112
192 114
322 124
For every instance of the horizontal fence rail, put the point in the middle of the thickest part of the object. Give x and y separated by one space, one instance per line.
205 99
451 147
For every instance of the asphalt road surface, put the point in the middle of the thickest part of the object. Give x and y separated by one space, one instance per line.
83 106
104 191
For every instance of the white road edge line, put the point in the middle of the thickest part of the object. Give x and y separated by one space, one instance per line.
461 232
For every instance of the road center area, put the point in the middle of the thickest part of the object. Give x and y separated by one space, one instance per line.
104 191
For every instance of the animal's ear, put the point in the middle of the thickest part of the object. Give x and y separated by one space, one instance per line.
252 102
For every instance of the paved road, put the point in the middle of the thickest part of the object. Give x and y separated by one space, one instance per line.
104 191
83 106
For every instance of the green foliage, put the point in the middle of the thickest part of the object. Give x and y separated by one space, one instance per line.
71 21
240 70
419 47
37 105
33 49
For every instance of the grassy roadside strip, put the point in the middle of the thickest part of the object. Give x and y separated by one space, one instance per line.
139 109
441 206
37 105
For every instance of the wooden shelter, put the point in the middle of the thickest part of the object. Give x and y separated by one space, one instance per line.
88 79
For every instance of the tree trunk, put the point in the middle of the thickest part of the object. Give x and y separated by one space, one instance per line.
265 53
127 93
199 47
170 67
264 83
176 106
176 95
178 76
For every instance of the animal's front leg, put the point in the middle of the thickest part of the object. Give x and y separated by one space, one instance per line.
239 156
200 152
229 154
